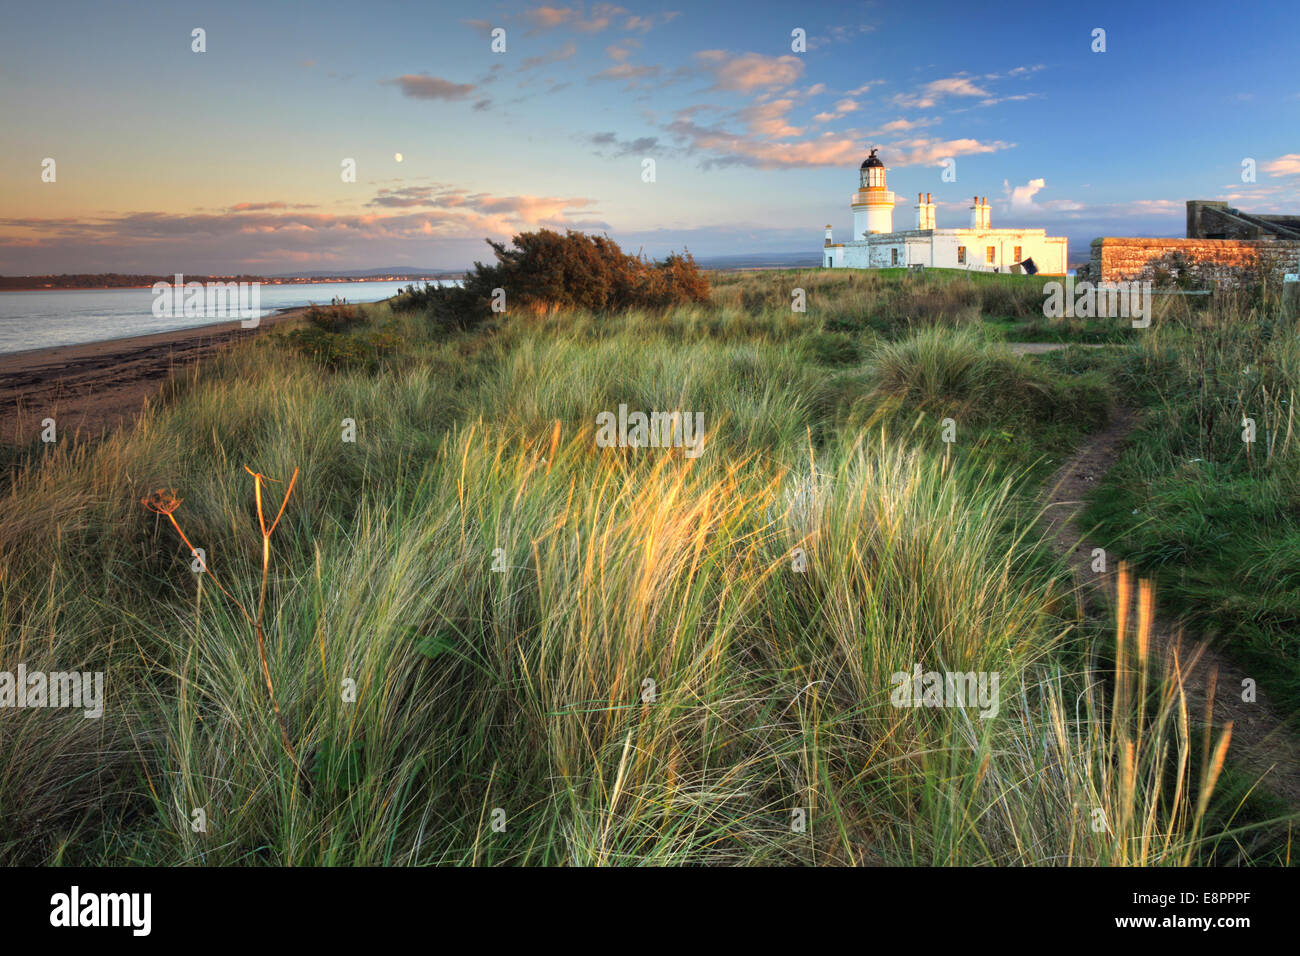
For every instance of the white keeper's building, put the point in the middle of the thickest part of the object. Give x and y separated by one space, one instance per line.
981 248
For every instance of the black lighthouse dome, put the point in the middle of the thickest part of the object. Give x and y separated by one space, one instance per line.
872 173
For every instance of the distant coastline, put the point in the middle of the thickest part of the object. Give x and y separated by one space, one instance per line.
101 281
66 316
114 280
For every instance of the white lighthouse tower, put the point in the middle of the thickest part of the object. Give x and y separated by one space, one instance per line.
873 204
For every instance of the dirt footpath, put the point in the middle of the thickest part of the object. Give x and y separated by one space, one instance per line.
1262 743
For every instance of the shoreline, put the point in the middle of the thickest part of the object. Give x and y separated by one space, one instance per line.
110 288
156 338
91 387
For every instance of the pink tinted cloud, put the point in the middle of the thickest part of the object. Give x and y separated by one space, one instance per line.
923 151
271 231
627 71
747 72
602 17
1288 165
547 18
769 119
931 93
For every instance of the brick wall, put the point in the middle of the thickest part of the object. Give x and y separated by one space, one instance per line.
1116 258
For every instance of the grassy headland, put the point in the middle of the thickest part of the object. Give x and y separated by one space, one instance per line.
493 641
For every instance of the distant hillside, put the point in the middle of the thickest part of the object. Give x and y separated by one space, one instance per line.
763 260
400 272
104 280
122 280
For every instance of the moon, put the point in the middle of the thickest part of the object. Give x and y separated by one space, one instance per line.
397 156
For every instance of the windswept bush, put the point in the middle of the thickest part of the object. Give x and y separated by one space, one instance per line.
545 271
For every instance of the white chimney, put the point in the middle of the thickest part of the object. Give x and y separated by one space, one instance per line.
987 212
929 212
828 234
975 212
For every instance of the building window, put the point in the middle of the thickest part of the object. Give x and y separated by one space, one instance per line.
893 257
1015 257
989 252
961 255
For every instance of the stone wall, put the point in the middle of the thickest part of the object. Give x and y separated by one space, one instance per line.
1211 219
1116 258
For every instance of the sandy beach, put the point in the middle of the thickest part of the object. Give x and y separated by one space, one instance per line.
95 386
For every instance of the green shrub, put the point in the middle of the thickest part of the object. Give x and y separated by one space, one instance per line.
338 316
340 339
545 271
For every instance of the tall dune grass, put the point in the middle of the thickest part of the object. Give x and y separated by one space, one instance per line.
494 642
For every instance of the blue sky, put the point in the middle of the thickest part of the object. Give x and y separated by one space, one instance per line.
229 160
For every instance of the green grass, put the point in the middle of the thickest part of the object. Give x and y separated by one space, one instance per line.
1217 520
647 678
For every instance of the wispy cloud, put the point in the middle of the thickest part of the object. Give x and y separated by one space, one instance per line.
565 52
633 73
769 119
864 87
901 125
747 72
841 33
422 86
841 108
923 151
1016 71
266 206
620 51
525 209
1288 165
995 100
547 18
481 27
719 147
931 93
644 24
602 17
609 146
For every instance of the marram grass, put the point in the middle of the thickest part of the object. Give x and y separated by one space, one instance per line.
491 641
